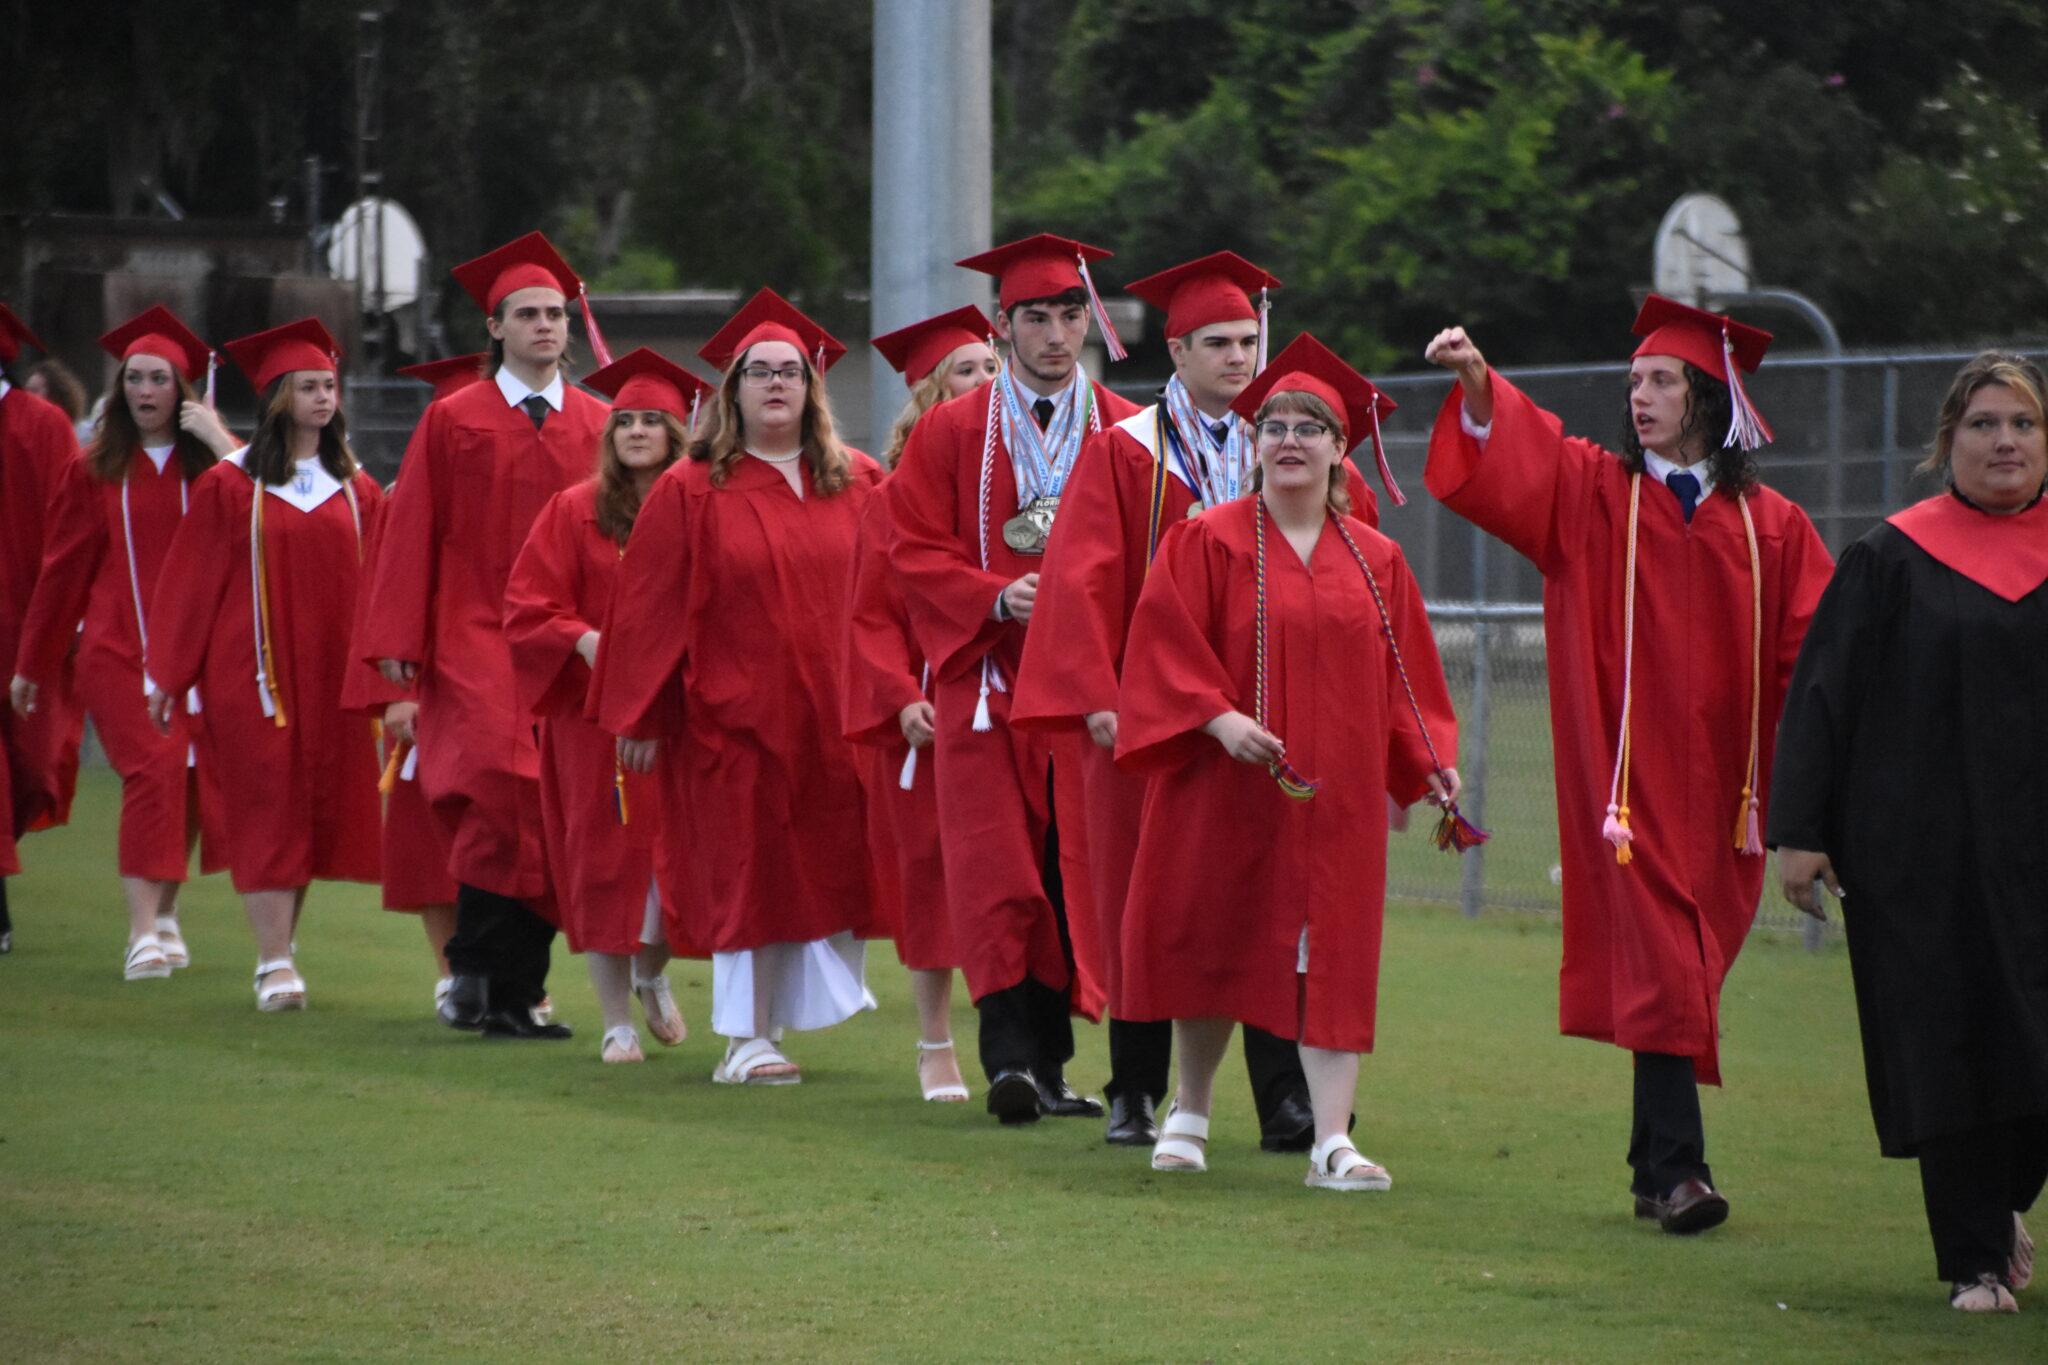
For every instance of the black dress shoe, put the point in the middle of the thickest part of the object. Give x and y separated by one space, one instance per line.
1291 1127
1693 1206
1649 1206
1131 1121
1013 1097
1061 1102
520 1024
468 1000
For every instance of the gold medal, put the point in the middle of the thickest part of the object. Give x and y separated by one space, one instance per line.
1026 532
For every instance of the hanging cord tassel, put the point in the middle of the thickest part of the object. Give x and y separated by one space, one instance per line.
1379 454
598 349
619 789
1296 786
696 401
1111 342
1615 829
267 690
982 723
1746 426
394 763
212 364
907 778
1265 326
1748 831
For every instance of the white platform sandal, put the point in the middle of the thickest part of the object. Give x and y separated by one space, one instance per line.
172 942
621 1044
743 1062
441 989
286 994
658 1003
146 960
951 1093
1176 1150
1334 1164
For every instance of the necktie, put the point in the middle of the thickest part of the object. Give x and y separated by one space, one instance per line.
536 408
1687 487
1042 410
1220 430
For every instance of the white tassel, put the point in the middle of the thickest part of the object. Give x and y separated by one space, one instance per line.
982 723
411 767
1746 426
908 777
192 706
1265 326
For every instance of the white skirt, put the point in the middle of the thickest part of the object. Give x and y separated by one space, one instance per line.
762 991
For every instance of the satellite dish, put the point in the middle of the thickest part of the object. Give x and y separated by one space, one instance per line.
370 231
1700 251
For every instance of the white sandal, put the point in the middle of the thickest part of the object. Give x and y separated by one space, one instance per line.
664 1019
1174 1151
441 989
288 994
2019 1267
1985 1294
744 1060
621 1044
146 960
172 942
1334 1164
950 1093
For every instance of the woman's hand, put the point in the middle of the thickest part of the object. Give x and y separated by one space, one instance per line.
919 723
1444 788
21 694
158 704
400 720
1798 870
1243 739
586 647
637 755
1102 728
197 419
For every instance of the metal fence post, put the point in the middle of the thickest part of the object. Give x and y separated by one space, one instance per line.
1472 876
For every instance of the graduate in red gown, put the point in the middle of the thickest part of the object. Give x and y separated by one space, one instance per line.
253 608
1185 452
1676 589
1280 684
599 820
722 648
480 466
38 741
110 526
886 703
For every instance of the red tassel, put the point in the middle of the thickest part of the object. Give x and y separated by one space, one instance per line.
1454 833
602 352
1111 342
1379 454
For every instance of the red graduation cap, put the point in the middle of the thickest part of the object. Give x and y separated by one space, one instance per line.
1723 347
452 375
642 379
529 262
159 332
1043 267
301 345
1216 288
14 335
1308 366
915 351
769 317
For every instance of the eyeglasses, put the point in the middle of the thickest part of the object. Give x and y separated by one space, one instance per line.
761 375
1304 432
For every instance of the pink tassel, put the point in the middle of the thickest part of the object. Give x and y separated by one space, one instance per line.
1616 831
602 352
1111 342
1379 454
1753 843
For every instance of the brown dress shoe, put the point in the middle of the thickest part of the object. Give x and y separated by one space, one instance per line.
1649 1207
1692 1206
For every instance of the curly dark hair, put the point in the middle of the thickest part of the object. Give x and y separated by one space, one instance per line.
1708 410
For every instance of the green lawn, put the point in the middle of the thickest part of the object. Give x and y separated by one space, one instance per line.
181 1178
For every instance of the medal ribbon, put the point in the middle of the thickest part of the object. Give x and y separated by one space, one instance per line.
1041 460
1217 473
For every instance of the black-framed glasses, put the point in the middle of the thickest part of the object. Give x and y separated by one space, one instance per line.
1304 432
760 375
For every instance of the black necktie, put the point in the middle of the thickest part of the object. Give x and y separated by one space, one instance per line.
1221 431
1042 410
1687 487
536 408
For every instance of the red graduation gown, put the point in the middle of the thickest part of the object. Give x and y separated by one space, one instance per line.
413 852
993 806
722 640
86 595
600 869
883 672
40 771
1095 565
304 802
1646 945
476 476
1229 869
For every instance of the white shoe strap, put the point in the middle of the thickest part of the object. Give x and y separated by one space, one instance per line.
1183 1123
275 964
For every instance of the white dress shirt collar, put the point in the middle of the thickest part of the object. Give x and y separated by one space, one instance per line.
516 392
1662 469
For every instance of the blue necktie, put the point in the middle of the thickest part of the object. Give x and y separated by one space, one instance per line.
1687 487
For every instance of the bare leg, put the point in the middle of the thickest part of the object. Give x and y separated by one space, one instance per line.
611 976
439 922
650 961
1332 1088
272 915
1200 1044
932 989
146 900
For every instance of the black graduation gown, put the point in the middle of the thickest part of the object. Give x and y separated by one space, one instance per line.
1914 751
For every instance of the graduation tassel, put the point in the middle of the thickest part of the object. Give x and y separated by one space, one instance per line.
267 691
1615 829
602 352
696 400
392 763
1746 426
212 364
619 790
1111 342
908 777
1265 326
1293 784
1379 454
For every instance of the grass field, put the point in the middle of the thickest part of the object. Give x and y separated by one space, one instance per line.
183 1179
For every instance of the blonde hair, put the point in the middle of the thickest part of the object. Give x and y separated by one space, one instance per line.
2015 372
925 394
726 439
1307 405
618 501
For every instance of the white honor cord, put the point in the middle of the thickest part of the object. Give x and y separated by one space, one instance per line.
135 587
908 777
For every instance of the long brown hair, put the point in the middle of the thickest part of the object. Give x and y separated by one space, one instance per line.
1304 404
269 460
726 439
925 394
117 441
618 501
2015 372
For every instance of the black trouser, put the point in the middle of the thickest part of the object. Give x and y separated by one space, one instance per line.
1028 1026
499 939
1668 1145
1973 1183
6 921
1273 1065
1140 1054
